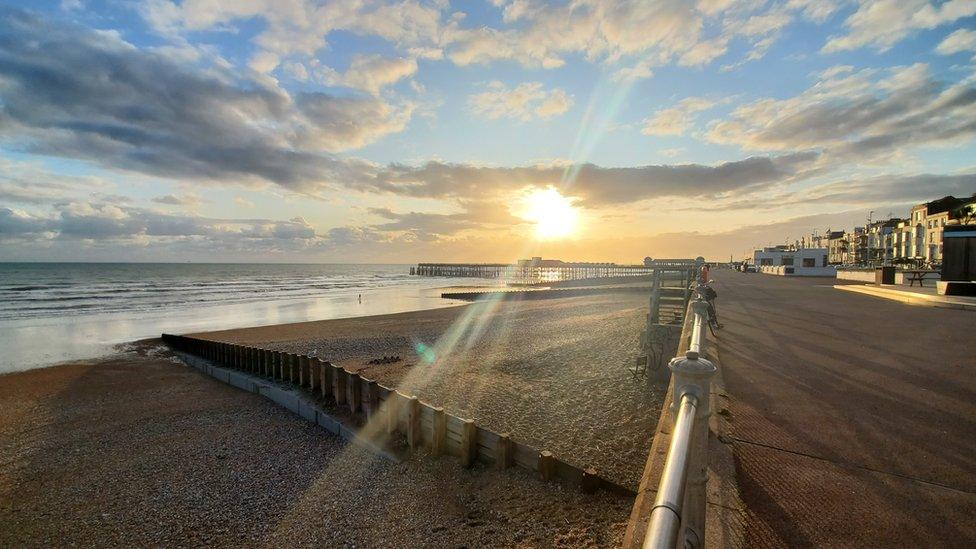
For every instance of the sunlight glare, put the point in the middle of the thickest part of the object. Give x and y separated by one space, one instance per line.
553 214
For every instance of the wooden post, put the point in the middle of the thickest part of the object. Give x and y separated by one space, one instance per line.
392 412
279 372
469 442
292 362
547 465
313 374
339 385
372 403
590 481
355 388
268 364
413 422
503 452
325 377
438 440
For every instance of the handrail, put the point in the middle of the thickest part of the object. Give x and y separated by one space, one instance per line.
665 523
678 516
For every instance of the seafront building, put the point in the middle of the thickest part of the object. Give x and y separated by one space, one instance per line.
789 260
915 240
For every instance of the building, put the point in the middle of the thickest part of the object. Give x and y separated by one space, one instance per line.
836 247
918 239
880 250
792 261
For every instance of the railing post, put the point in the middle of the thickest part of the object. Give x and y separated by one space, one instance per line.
692 375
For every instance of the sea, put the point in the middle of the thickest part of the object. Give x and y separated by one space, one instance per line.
56 312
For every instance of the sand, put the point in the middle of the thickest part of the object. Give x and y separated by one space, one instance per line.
137 449
553 373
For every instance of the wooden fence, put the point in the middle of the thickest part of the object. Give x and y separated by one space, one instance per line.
361 409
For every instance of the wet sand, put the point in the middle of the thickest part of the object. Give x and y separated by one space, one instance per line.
553 373
138 449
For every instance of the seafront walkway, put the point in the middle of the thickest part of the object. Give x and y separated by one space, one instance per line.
851 419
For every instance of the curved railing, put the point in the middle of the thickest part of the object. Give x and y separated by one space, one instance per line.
678 516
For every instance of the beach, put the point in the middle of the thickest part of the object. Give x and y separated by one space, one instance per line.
139 449
552 372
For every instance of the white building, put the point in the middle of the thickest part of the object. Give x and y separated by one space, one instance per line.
790 261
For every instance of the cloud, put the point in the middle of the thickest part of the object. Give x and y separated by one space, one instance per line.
190 201
677 119
524 102
371 73
25 182
863 115
874 192
477 215
595 185
264 62
76 93
959 41
241 201
109 221
880 24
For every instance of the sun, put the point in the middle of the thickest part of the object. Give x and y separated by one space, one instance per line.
553 214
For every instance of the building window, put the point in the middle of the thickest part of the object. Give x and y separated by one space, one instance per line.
809 262
765 261
787 260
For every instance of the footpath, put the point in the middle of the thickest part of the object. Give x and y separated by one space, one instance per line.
852 419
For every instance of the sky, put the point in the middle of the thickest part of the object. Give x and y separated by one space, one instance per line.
371 131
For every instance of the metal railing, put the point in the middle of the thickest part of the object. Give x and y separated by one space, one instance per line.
678 516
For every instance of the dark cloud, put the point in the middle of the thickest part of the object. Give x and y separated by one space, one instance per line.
105 221
72 92
596 185
477 214
13 223
876 192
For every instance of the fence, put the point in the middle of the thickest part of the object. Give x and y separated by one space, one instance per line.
371 414
676 518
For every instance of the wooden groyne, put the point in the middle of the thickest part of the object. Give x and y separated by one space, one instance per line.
369 414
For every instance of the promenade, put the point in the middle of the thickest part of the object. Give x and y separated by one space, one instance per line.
852 419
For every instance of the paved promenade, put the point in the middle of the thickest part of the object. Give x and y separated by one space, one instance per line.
853 418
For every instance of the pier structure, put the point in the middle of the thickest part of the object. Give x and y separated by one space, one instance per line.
540 269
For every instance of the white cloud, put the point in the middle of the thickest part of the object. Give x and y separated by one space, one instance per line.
861 115
524 102
371 73
676 120
880 24
959 41
264 62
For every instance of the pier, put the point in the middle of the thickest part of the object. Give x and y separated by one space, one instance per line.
538 268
